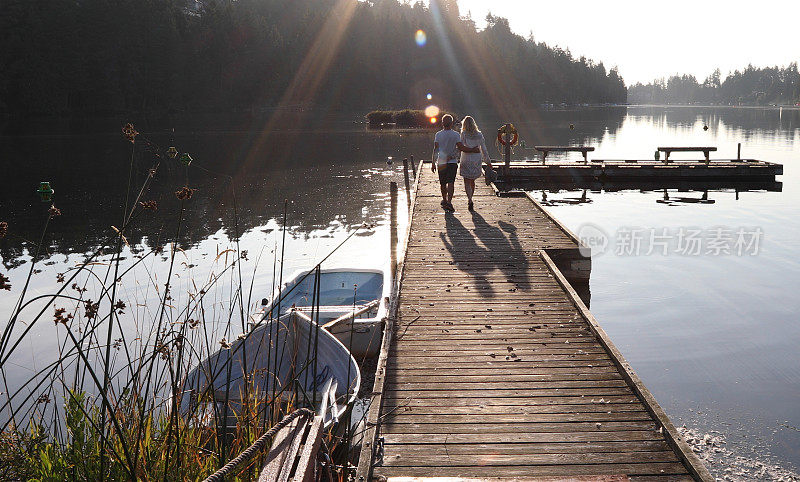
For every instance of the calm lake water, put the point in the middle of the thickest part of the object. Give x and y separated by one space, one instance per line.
714 336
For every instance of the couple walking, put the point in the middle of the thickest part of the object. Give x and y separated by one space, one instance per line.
448 147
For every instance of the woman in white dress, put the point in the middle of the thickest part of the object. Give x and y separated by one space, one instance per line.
472 162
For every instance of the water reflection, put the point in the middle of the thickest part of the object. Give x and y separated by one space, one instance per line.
744 122
242 176
677 200
672 192
91 192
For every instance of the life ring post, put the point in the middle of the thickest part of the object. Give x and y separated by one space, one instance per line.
507 136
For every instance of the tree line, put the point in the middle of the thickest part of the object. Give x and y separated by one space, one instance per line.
751 86
119 56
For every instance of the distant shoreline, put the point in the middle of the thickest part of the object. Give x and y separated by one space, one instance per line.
357 116
769 107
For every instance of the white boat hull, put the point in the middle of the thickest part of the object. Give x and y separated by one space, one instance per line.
343 291
363 338
276 358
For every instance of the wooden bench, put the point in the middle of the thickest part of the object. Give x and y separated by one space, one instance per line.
669 150
582 149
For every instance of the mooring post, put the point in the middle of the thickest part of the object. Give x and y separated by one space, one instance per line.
408 184
507 150
739 152
393 228
413 167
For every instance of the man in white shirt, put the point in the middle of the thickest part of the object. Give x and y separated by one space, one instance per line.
446 151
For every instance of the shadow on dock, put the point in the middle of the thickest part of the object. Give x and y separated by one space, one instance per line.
495 252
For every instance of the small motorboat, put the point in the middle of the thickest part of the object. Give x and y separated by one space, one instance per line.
352 305
280 359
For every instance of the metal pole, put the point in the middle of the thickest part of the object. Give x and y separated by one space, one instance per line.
280 298
393 228
315 307
507 150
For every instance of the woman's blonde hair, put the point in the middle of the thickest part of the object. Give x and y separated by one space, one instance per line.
469 126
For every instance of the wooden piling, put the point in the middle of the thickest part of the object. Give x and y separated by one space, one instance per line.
407 183
739 151
413 167
292 456
393 227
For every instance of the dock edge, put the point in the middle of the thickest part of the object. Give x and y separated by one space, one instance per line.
693 463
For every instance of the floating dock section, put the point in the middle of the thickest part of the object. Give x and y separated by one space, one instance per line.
493 367
647 170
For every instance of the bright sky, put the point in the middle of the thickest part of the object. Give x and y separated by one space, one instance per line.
647 40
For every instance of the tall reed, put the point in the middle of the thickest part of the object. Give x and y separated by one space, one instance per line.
108 405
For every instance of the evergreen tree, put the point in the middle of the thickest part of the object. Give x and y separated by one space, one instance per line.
115 56
752 86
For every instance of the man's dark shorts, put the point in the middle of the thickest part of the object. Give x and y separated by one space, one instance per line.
448 175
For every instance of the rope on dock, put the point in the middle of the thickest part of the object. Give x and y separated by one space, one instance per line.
257 446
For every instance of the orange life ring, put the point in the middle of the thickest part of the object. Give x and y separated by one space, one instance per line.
510 129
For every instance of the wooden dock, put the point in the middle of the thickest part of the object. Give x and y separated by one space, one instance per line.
715 169
655 184
492 367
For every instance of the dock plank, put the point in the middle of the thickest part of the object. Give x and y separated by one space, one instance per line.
539 470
